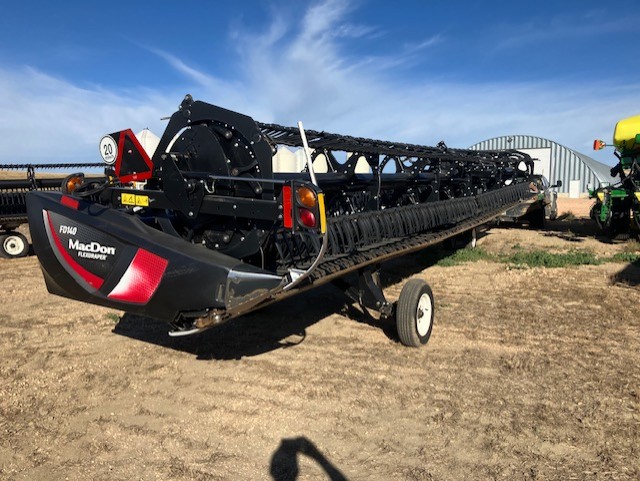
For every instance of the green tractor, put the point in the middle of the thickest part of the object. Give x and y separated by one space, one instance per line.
617 205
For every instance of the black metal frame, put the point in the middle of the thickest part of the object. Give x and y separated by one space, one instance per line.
213 191
13 205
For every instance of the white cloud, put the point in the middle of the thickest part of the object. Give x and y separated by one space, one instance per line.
47 119
310 77
301 71
191 73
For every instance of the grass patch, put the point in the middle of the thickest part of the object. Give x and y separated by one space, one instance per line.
539 258
625 257
113 317
522 259
463 256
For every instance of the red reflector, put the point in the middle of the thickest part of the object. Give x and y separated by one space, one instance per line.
141 279
286 207
306 217
70 202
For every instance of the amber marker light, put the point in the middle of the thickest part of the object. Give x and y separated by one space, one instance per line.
599 144
73 183
307 197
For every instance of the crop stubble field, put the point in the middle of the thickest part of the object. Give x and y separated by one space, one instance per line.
531 373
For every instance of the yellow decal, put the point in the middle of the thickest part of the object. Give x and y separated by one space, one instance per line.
600 196
323 214
128 199
133 199
638 196
142 200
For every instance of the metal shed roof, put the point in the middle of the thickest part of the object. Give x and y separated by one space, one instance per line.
566 164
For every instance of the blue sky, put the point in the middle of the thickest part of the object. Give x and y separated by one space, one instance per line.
415 71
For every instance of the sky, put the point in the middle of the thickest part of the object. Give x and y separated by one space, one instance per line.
411 71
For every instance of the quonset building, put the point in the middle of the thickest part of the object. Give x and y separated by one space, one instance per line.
555 162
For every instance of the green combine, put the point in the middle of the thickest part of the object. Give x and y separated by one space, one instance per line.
617 205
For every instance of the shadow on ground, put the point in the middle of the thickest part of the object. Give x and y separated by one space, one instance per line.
630 275
568 228
284 462
284 324
280 325
571 229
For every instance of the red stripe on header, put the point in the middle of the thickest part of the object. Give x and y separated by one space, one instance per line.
70 202
91 279
141 279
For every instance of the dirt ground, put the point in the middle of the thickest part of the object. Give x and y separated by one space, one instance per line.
530 374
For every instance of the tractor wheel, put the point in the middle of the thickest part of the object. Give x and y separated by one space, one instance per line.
13 245
414 313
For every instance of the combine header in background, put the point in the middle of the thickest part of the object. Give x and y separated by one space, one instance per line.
204 230
617 206
13 205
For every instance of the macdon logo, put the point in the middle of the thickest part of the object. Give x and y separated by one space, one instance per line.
92 250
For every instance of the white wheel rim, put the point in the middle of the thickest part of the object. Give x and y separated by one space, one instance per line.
13 245
423 314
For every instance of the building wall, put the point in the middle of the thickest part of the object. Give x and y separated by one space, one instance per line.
565 164
542 161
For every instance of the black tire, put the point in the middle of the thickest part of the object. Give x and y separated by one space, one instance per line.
13 245
536 219
471 238
415 313
466 240
618 226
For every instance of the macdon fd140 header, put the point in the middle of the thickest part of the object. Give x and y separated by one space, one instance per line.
204 230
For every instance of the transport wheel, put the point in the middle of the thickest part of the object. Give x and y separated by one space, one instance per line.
466 240
13 245
471 238
414 313
536 219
